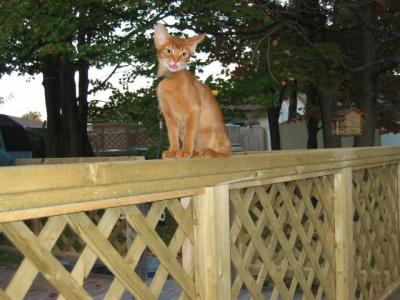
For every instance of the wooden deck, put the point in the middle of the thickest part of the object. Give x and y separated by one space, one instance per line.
317 224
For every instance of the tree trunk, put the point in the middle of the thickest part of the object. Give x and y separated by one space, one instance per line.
273 122
313 116
65 129
368 80
366 104
83 70
70 112
328 111
293 102
55 142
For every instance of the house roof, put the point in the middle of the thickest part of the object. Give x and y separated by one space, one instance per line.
344 112
27 123
341 114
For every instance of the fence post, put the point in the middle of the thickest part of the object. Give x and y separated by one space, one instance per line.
212 244
344 251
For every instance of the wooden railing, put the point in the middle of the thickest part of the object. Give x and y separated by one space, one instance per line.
320 224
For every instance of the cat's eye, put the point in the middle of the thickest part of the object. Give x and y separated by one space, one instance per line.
168 51
184 54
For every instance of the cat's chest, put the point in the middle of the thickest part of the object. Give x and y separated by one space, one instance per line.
176 105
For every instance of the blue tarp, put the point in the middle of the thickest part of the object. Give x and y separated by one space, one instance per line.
14 143
6 159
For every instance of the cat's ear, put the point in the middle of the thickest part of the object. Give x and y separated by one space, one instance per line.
161 35
193 41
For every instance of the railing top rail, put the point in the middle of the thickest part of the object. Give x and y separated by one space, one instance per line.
35 186
73 160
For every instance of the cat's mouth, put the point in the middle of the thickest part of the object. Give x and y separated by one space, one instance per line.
173 67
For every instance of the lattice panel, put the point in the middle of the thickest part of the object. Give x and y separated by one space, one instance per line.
282 240
116 140
376 230
70 244
95 234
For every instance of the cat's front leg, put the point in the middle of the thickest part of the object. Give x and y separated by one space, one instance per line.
191 128
173 138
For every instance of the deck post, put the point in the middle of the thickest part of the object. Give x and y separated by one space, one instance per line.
344 251
212 244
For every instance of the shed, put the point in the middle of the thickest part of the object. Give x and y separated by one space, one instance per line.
14 137
348 122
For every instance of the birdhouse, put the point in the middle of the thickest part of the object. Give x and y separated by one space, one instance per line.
348 122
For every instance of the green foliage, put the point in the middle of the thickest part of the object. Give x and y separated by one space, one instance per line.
99 32
271 43
389 99
256 87
32 115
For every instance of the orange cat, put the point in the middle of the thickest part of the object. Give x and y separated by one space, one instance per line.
190 110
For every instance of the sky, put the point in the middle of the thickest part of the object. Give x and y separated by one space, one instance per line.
23 94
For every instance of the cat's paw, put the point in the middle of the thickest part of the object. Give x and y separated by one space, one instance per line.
183 154
169 154
207 153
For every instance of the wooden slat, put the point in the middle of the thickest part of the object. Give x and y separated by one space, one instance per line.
305 189
183 217
72 207
366 211
242 262
88 258
33 249
82 225
259 245
386 221
4 296
27 271
365 245
245 275
296 221
187 247
397 200
235 234
154 242
136 250
344 251
297 268
162 272
376 232
390 290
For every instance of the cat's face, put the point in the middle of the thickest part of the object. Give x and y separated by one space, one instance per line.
174 53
